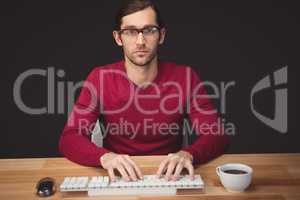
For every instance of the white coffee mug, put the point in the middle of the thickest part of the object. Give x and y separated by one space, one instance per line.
234 181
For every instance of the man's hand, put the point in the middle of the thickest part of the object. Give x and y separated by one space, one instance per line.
174 164
123 163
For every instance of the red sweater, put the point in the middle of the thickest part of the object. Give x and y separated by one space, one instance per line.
141 121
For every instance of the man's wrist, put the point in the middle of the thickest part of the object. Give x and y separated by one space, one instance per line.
184 154
187 155
102 158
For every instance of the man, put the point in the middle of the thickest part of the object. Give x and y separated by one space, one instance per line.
148 96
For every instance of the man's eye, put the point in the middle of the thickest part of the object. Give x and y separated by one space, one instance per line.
150 30
130 32
147 30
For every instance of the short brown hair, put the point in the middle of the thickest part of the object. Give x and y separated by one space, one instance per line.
131 6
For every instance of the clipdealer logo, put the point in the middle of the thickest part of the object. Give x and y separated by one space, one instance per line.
277 82
279 86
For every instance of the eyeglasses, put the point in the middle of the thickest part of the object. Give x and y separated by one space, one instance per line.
147 32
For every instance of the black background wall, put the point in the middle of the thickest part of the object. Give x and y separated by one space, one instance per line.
240 41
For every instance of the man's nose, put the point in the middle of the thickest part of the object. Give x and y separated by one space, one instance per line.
140 39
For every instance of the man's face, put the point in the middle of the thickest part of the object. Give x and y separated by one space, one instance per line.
140 49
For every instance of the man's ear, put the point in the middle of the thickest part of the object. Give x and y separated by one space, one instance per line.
162 37
117 38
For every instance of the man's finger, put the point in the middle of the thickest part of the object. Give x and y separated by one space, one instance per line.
111 175
190 169
137 169
123 172
129 168
178 170
162 167
170 170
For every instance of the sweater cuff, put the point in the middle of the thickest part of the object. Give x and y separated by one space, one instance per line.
100 154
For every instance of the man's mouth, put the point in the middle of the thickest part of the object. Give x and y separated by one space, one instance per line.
141 52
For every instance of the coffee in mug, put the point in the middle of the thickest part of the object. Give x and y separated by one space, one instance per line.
235 177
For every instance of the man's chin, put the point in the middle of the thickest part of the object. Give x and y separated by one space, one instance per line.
142 61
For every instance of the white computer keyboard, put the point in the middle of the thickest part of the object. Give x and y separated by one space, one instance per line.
150 185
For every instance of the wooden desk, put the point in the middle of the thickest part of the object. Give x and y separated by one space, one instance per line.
276 176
